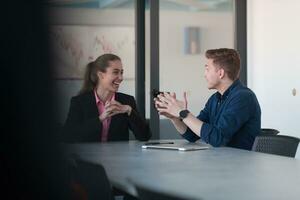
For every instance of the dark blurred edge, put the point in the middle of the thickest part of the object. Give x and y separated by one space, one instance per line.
31 162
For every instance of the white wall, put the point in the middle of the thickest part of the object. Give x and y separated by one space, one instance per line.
274 62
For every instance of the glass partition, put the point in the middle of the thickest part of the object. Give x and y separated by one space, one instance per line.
186 30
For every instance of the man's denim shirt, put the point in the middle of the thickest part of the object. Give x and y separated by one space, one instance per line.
232 119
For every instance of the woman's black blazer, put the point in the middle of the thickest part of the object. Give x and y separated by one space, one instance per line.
83 124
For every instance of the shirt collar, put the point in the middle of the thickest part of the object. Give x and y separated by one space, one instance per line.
98 100
226 93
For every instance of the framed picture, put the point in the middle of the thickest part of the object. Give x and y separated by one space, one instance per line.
74 46
192 40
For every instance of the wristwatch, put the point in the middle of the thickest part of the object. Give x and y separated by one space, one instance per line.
183 114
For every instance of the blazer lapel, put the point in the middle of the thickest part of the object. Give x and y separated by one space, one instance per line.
91 104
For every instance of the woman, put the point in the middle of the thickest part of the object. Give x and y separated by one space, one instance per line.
99 113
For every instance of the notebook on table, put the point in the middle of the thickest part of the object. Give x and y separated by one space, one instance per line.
175 146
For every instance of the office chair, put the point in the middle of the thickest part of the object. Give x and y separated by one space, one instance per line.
269 131
276 144
88 181
149 194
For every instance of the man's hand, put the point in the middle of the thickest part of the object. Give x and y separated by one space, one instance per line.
169 106
157 106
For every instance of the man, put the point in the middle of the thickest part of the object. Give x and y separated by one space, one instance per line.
231 116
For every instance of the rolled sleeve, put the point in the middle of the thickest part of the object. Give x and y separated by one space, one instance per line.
190 136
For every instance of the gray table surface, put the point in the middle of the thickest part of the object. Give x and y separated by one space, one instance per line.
215 173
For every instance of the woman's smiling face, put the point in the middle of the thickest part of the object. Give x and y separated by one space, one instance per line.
111 79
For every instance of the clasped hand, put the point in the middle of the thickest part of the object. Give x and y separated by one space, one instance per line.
114 107
168 106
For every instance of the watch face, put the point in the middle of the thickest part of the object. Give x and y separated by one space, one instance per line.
183 114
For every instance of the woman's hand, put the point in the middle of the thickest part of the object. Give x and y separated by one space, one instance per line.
113 108
122 108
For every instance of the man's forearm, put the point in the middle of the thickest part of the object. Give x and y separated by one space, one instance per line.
193 123
179 125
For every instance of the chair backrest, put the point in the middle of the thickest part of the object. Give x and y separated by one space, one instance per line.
88 181
269 131
150 194
276 144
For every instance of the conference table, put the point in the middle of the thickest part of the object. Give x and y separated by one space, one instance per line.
214 173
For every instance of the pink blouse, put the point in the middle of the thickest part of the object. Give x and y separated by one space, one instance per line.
106 122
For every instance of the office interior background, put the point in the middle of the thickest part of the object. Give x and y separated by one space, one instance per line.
82 30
